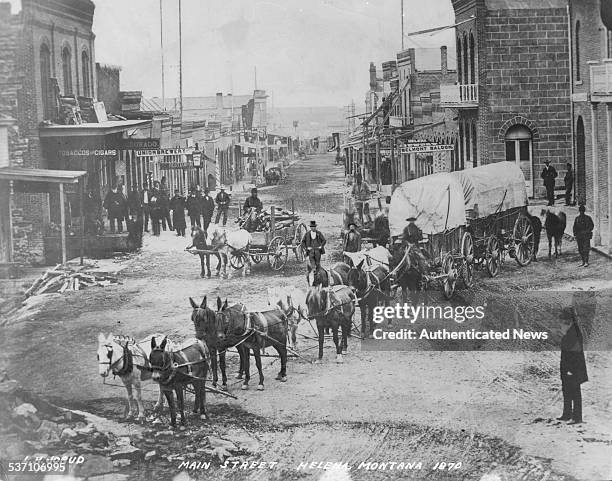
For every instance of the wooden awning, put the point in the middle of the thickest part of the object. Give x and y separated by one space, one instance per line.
41 175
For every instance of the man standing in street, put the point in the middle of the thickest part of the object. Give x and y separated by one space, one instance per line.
549 174
207 207
583 232
146 208
222 200
156 209
361 195
313 243
572 367
193 208
569 184
164 203
352 241
116 205
177 206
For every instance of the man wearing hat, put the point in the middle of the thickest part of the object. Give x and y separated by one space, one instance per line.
222 200
412 234
207 207
352 240
314 245
548 175
583 232
253 202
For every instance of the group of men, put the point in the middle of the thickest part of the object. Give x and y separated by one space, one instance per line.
549 174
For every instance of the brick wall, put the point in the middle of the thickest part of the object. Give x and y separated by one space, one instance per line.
108 87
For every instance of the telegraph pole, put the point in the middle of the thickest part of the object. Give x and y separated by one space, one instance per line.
402 2
181 58
161 39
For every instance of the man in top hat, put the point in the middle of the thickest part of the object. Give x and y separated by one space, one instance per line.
253 202
223 201
207 207
313 243
412 234
548 175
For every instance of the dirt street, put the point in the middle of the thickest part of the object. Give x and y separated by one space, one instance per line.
493 412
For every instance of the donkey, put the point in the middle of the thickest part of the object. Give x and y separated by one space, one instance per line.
199 239
253 331
372 287
226 242
205 323
124 357
555 228
174 369
332 307
336 275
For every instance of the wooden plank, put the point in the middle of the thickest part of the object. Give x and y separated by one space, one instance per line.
63 222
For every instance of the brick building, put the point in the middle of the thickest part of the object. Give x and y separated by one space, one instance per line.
513 91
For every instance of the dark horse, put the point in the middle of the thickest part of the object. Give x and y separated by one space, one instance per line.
555 228
173 370
253 331
537 232
199 241
409 265
372 287
332 307
205 323
337 275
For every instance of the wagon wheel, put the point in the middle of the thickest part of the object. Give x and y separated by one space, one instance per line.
277 253
300 231
467 247
236 259
523 240
493 256
467 274
257 258
450 281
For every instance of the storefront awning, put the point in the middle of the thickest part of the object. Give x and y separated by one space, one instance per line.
82 130
41 175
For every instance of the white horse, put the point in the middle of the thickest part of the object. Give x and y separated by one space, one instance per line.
292 302
227 242
378 256
122 356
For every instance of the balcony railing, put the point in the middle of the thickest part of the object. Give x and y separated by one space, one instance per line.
601 79
459 95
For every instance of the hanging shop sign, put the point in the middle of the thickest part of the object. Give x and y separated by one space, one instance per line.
148 153
197 159
420 149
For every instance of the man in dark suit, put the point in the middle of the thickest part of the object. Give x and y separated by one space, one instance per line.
569 184
116 205
223 201
412 234
572 367
583 232
313 243
146 208
194 206
207 207
549 174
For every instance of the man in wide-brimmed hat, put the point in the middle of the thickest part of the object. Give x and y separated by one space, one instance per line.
313 243
412 234
223 201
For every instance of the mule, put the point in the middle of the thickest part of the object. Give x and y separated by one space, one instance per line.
372 287
332 307
555 228
175 369
337 275
124 357
199 240
205 323
253 331
409 265
227 242
292 302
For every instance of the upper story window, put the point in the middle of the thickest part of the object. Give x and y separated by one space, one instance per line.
45 81
67 70
86 74
466 69
472 60
578 51
459 61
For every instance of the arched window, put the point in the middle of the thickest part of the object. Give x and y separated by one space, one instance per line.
45 81
466 68
578 51
519 149
67 70
472 61
459 61
86 74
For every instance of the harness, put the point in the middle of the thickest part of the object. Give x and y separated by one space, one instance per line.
126 356
174 366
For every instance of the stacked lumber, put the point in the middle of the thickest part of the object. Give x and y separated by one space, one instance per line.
282 218
63 278
130 101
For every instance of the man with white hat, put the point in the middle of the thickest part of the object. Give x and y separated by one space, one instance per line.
223 201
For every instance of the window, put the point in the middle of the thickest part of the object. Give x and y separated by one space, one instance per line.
608 43
67 70
86 75
466 74
45 82
519 149
459 57
578 51
472 61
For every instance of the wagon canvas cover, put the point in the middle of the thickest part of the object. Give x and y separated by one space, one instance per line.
492 188
435 200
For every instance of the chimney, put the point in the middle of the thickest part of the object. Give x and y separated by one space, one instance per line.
444 60
412 54
373 81
219 101
5 11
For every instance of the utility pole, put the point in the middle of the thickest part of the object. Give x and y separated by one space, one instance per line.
161 39
181 58
402 2
255 77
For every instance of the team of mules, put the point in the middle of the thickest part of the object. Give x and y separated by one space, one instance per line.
221 243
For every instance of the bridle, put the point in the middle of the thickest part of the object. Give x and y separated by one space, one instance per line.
126 356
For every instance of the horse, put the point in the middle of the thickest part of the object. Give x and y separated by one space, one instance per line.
227 242
336 275
409 266
253 331
332 307
378 255
292 302
371 286
536 223
119 356
174 369
555 228
199 239
205 323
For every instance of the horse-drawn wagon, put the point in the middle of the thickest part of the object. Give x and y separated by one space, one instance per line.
469 219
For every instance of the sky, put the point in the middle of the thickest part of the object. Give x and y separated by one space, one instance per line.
305 53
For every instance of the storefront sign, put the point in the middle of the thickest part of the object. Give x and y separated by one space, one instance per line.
148 153
419 149
139 144
174 165
101 152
